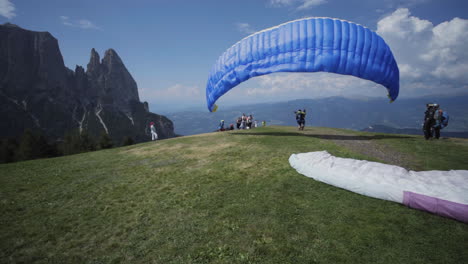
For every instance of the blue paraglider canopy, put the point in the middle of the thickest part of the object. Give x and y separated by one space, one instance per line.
306 45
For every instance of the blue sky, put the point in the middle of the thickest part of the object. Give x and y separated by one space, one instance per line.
169 46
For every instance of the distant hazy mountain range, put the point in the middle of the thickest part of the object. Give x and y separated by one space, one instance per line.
338 112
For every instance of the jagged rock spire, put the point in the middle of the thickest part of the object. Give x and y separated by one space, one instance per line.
119 82
94 64
111 57
110 80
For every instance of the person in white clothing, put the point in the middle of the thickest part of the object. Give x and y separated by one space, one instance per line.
154 135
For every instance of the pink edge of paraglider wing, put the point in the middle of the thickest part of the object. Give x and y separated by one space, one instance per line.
437 206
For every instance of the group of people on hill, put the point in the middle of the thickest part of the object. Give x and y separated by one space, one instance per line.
242 122
246 122
435 119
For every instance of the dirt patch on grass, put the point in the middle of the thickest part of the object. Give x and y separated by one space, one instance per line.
365 145
380 151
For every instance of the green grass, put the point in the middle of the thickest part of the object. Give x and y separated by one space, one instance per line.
442 154
226 197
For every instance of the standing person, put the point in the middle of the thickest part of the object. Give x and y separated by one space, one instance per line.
441 121
243 121
238 122
429 120
263 123
154 135
249 122
300 119
221 125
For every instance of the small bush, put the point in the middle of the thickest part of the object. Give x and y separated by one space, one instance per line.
127 141
105 141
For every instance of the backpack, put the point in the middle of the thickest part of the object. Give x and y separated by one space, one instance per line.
298 115
445 119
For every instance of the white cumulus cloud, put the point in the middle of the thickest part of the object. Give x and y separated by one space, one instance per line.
7 9
307 85
432 55
400 24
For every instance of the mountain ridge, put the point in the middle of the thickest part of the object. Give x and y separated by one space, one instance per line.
37 91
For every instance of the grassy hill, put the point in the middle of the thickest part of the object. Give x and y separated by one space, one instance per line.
227 197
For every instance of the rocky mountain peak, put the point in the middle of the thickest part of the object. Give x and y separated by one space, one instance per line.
94 64
94 57
30 57
111 58
111 52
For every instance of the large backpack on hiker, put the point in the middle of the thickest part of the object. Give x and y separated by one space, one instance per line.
445 119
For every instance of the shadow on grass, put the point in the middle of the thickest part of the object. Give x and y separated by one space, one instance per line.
327 137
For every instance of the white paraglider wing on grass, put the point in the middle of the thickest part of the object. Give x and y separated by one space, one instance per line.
440 192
